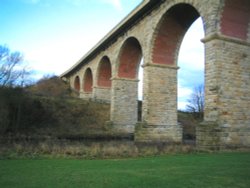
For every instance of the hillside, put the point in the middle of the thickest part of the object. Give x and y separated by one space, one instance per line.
50 109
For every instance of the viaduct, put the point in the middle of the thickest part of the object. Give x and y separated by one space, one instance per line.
154 31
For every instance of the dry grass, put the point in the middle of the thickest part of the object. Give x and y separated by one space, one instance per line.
77 149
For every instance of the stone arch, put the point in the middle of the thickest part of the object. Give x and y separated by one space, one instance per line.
235 19
170 32
124 101
104 73
160 104
77 83
88 81
129 58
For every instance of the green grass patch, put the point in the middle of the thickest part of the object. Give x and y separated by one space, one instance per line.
193 170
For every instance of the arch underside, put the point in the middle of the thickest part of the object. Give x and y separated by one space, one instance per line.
235 19
170 33
104 76
77 83
124 106
129 59
88 81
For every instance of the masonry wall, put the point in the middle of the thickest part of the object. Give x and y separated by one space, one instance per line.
160 106
102 94
124 105
227 109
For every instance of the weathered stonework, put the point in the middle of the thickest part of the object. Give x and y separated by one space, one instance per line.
102 94
208 136
227 92
160 105
85 95
154 30
145 133
124 106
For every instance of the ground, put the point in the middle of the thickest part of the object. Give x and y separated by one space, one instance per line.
217 170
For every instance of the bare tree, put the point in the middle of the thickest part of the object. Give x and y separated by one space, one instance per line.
12 68
196 102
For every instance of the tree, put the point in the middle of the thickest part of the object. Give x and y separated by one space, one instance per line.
13 72
12 69
196 102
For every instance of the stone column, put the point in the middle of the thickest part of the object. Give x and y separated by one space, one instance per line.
102 94
227 98
124 105
159 106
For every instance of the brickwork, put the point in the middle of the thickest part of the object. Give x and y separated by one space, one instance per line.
88 81
129 59
104 73
170 33
235 18
156 35
77 83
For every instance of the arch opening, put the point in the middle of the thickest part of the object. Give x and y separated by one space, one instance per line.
168 50
130 69
88 81
129 59
77 83
140 90
170 33
104 73
191 80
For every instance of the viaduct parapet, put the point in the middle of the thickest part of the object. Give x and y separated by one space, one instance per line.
153 31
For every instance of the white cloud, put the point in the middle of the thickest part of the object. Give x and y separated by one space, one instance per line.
115 3
183 95
183 92
182 105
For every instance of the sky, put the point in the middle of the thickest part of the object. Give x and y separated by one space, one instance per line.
54 34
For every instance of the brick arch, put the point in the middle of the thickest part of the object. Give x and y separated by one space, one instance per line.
88 81
235 18
104 73
77 83
170 32
129 58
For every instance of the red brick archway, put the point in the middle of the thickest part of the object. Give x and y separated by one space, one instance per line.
170 33
129 59
104 73
88 81
235 18
77 83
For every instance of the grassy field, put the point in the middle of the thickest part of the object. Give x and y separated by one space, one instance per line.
193 170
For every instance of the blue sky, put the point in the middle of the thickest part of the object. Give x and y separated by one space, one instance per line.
54 34
191 62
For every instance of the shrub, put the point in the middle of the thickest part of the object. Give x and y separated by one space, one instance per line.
51 86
